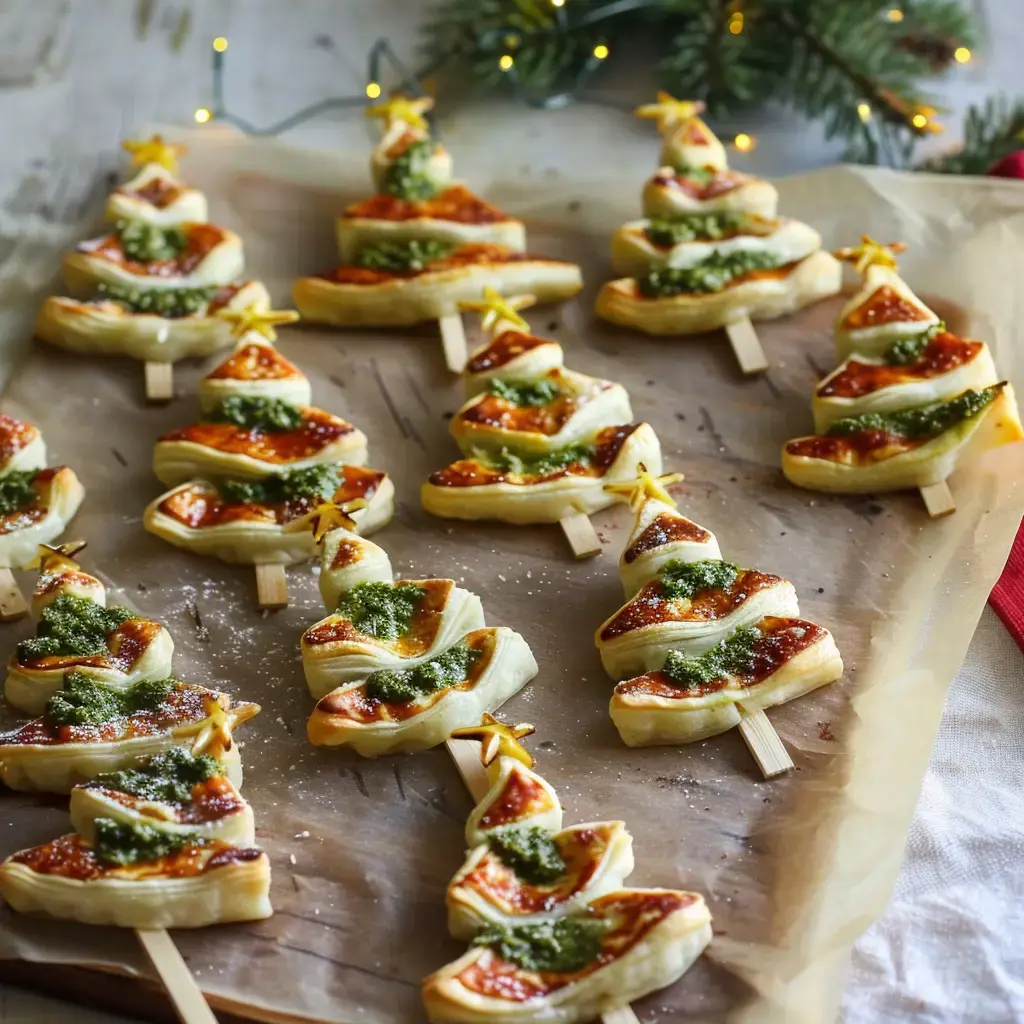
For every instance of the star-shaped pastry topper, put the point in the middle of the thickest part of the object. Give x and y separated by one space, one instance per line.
498 739
870 254
497 309
215 736
646 485
154 151
329 515
61 556
403 108
254 318
670 112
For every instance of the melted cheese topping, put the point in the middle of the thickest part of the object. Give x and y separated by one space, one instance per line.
503 349
782 640
211 800
125 646
158 191
649 607
14 435
943 354
631 915
860 449
319 429
456 204
665 529
256 362
418 639
36 509
70 857
473 473
884 305
724 181
355 706
202 239
522 797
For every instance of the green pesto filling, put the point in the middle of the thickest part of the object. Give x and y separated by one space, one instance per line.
694 227
167 778
524 392
148 243
710 275
702 176
565 945
312 482
506 461
408 176
924 421
530 851
907 351
171 303
257 413
73 627
729 656
414 254
85 702
686 579
379 609
121 843
396 686
16 490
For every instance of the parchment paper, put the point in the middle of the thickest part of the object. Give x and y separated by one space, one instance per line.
793 869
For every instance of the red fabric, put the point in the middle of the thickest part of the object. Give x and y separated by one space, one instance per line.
1011 166
1007 598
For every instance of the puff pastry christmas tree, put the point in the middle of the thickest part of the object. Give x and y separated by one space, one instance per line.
555 933
151 287
909 402
424 242
245 477
36 504
398 664
162 838
701 644
539 441
710 251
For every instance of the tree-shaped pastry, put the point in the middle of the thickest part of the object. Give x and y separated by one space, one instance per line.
909 402
258 462
423 243
555 934
151 287
701 644
36 504
398 664
76 632
539 441
710 251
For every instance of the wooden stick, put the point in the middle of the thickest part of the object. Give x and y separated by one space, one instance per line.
453 339
183 989
746 345
579 532
159 382
764 743
466 755
938 500
12 601
271 587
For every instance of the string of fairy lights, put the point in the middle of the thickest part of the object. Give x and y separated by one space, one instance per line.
382 57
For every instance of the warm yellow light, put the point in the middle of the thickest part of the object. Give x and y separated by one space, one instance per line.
864 111
557 3
961 55
919 120
506 62
600 51
202 115
220 44
512 41
895 15
736 23
744 142
372 90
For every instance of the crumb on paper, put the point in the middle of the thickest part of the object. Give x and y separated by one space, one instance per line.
825 731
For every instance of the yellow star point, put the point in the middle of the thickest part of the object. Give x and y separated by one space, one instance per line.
498 739
329 515
154 151
670 112
253 318
402 108
646 485
61 556
496 308
870 254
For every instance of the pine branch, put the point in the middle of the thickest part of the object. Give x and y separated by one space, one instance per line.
990 132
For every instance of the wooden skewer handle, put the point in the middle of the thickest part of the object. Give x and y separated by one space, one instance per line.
12 601
271 587
938 500
764 743
159 382
453 340
188 999
747 346
580 533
